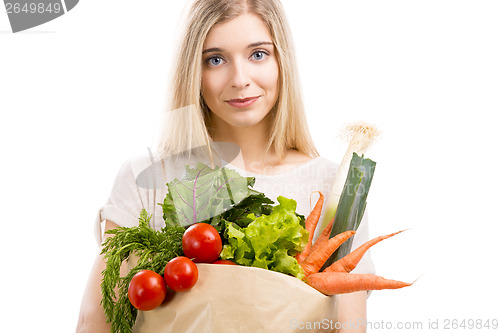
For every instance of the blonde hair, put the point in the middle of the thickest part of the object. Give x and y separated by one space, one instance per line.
188 124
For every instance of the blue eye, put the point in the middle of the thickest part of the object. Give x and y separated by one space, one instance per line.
259 55
214 61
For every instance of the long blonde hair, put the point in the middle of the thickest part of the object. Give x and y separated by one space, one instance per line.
188 123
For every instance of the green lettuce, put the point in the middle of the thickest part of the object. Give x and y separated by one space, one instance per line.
269 241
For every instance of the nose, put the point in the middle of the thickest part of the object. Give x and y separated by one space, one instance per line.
240 75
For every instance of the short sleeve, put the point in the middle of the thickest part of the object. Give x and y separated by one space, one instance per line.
139 184
124 203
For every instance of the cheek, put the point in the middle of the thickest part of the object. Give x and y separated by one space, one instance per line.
210 86
270 77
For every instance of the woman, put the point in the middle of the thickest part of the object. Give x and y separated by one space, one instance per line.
235 82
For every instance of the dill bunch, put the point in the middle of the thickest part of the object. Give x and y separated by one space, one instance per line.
153 249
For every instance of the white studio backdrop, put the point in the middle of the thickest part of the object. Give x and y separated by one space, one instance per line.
81 94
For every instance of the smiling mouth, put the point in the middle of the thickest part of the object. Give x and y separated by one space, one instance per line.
242 102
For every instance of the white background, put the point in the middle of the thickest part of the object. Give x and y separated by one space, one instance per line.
81 94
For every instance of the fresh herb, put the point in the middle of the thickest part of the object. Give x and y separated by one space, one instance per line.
153 249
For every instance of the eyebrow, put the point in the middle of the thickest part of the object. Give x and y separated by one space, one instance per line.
217 49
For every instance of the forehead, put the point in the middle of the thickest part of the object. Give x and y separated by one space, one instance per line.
240 31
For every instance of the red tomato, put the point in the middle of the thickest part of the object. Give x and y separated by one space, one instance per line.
202 243
147 290
181 274
224 262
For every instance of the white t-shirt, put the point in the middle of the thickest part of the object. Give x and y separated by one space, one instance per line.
141 183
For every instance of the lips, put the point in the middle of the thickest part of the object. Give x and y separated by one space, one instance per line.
242 102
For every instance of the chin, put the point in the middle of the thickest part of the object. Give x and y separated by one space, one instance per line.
242 122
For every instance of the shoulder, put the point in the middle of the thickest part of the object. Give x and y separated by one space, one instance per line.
151 170
137 162
294 156
318 173
326 163
322 166
298 158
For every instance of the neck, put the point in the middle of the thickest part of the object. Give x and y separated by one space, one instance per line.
252 142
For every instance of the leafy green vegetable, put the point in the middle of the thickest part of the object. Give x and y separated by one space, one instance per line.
258 234
256 204
214 196
269 241
153 249
203 193
352 202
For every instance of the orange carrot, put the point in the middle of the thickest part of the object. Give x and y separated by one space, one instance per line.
313 218
323 237
340 283
349 262
311 223
316 259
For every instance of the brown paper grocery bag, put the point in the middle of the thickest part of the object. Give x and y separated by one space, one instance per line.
240 299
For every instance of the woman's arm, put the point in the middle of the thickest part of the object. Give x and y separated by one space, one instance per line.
92 318
352 312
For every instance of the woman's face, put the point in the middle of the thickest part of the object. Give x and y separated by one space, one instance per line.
240 71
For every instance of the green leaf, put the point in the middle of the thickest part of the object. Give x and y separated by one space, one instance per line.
203 193
256 203
352 202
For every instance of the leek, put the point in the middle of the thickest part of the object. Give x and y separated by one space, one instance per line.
352 202
360 137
